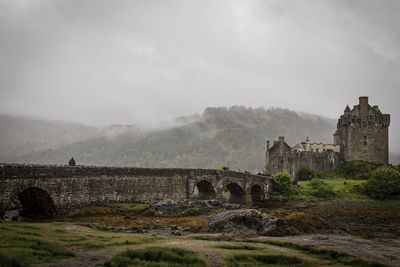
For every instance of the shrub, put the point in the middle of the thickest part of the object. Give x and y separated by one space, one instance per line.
353 188
358 169
264 260
384 183
305 173
223 168
283 183
398 167
321 189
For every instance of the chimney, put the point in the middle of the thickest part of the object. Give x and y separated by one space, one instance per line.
281 138
267 145
363 106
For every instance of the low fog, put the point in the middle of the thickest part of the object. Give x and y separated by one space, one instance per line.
145 62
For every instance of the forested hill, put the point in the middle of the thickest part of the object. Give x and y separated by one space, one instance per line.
233 137
20 135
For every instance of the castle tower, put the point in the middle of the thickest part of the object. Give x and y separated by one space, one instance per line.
362 133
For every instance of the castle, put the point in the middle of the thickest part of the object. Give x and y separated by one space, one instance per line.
362 134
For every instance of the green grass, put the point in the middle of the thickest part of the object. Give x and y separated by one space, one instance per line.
128 207
203 237
26 244
345 189
110 208
28 248
97 243
26 226
237 247
99 239
156 256
100 227
7 260
347 192
264 260
325 254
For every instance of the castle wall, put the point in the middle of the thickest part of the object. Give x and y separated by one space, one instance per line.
375 149
292 161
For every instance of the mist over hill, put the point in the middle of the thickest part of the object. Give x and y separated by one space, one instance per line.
20 135
233 137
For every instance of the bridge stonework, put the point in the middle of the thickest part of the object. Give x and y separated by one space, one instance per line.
73 187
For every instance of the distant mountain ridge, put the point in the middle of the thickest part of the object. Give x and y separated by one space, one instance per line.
20 135
233 137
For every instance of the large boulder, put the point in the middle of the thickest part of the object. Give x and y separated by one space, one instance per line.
246 218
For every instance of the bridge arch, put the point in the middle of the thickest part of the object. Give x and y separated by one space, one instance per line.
36 202
206 190
257 194
236 193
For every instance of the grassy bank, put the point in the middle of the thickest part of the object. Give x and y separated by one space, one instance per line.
26 244
338 190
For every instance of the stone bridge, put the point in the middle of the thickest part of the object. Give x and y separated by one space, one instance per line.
44 190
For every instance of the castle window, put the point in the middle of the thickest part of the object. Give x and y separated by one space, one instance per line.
365 140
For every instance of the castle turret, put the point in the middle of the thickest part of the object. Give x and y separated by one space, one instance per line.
362 133
363 106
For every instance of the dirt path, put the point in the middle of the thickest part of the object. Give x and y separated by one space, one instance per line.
212 258
387 251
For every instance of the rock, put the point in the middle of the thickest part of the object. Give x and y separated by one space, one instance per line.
11 215
176 232
231 206
174 227
248 218
384 235
336 232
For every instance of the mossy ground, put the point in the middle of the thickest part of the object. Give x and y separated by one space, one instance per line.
38 243
156 256
97 231
58 239
134 218
332 257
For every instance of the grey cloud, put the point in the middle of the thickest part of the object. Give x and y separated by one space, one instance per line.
102 62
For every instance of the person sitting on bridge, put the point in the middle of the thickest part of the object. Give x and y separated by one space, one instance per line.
71 162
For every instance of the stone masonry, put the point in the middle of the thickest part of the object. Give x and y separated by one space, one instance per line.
283 158
73 187
362 134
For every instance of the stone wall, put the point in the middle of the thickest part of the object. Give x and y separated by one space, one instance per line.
376 147
292 161
71 187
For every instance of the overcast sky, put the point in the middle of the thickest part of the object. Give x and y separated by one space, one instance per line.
102 62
